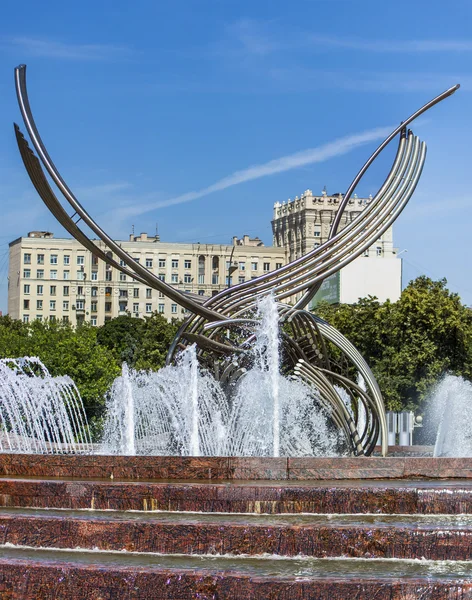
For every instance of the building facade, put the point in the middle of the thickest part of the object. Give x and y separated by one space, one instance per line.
302 224
58 279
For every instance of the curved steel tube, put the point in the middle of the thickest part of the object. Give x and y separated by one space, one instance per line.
20 84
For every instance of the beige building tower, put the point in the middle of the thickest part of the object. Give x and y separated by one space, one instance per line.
304 223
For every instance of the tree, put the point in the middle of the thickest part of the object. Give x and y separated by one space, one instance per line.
156 337
122 336
409 344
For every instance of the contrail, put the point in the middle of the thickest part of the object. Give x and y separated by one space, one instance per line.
279 165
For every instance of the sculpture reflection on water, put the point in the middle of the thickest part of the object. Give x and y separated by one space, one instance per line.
222 346
183 410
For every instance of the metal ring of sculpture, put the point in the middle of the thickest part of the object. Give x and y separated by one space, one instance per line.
312 350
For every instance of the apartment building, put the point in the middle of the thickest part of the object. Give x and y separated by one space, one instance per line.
304 223
57 279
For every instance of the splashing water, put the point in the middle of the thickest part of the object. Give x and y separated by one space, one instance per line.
40 413
183 410
451 409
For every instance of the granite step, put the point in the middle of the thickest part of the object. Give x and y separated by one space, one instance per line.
317 496
435 537
78 574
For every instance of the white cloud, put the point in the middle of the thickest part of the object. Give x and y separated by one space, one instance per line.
279 165
46 48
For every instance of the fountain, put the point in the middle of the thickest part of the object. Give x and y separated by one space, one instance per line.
257 396
450 411
183 410
40 413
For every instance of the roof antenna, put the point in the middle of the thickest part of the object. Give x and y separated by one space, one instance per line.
132 230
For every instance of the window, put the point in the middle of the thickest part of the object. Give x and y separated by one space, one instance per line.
266 267
366 252
149 307
135 307
161 295
40 274
136 293
26 304
122 263
201 279
107 306
162 263
26 273
53 274
53 259
65 290
188 264
187 278
93 306
80 304
242 266
229 280
214 279
108 276
148 293
27 259
94 260
93 321
175 263
94 291
123 293
162 277
278 265
174 278
25 318
80 275
173 308
52 318
65 305
379 251
80 260
317 233
39 317
161 308
52 305
66 274
241 279
201 292
149 263
39 305
52 290
39 290
40 260
254 266
66 259
108 291
123 306
215 263
137 258
122 277
26 288
94 276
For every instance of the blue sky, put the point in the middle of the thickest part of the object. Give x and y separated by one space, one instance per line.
197 115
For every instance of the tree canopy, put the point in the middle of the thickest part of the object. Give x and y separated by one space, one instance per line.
409 344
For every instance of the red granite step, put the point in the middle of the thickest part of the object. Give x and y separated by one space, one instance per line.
232 468
387 497
435 538
39 574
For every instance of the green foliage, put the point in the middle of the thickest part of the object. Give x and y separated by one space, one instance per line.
409 344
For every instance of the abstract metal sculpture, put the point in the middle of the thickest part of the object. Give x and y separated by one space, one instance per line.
312 350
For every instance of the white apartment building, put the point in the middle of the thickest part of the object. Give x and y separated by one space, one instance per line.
58 279
304 223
